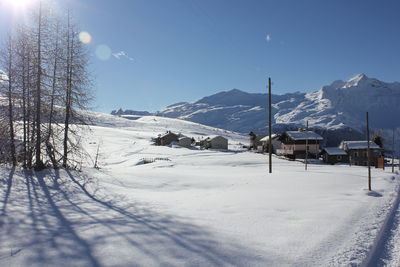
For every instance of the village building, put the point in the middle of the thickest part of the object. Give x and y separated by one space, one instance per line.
358 152
333 155
296 143
185 141
255 140
199 143
166 139
216 142
276 143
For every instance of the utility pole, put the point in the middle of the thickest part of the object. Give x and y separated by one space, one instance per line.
368 155
398 158
393 153
270 125
306 161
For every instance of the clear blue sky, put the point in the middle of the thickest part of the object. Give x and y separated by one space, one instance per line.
183 50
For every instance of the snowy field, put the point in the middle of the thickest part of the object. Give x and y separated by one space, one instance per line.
195 207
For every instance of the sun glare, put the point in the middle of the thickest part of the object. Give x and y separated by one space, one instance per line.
20 3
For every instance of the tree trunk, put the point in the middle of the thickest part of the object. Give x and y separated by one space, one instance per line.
49 146
70 46
39 164
10 101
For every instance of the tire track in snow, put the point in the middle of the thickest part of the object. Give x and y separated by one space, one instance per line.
386 251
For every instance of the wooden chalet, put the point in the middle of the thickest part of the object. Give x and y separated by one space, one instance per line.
333 155
294 144
357 152
185 141
216 142
166 139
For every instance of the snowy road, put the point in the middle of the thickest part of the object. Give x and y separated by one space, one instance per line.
387 252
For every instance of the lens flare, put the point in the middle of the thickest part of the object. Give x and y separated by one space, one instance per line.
20 3
85 37
103 52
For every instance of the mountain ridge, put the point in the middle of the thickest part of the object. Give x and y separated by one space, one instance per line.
339 105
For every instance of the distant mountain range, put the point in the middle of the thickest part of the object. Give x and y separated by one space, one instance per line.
338 107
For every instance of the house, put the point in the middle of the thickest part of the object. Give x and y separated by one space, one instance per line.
185 141
216 142
166 139
276 143
357 152
294 144
333 155
255 140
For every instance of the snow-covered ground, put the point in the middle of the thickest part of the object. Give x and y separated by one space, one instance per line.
193 208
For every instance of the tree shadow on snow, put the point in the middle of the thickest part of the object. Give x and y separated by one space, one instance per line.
63 219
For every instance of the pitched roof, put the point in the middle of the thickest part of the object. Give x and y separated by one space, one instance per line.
167 133
216 137
358 145
334 151
304 135
266 138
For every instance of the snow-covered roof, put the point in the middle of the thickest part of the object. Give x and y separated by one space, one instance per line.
166 134
304 135
358 145
215 137
335 151
266 138
184 137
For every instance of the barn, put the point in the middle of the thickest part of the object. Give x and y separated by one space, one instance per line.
333 155
166 139
216 142
357 151
185 141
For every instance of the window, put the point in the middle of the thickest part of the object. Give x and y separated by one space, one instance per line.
355 154
339 157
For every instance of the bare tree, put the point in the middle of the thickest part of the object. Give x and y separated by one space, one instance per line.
76 93
56 51
38 161
46 74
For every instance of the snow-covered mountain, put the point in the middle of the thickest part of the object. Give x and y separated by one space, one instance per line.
343 104
233 110
337 106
